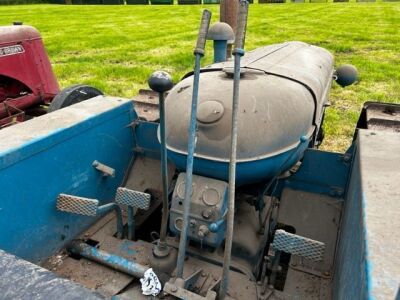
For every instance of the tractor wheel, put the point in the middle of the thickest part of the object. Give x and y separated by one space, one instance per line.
73 94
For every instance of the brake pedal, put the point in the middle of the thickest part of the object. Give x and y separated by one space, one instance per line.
298 245
132 198
77 205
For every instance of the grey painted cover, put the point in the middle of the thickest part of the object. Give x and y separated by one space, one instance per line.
20 279
283 91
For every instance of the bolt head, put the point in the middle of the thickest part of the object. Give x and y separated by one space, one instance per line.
192 223
207 213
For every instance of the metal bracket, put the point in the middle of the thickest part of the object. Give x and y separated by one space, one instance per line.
298 245
180 288
188 282
106 170
184 294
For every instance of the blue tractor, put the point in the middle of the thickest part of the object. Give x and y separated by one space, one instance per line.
212 188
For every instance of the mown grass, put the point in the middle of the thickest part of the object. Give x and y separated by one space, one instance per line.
115 48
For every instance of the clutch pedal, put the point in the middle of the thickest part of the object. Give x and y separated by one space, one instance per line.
298 245
89 207
77 205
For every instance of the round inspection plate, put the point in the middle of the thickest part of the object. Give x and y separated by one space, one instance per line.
178 224
211 197
210 112
180 190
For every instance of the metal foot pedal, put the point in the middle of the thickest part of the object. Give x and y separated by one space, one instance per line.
132 198
298 245
77 205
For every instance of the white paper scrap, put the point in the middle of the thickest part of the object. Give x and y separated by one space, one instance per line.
151 285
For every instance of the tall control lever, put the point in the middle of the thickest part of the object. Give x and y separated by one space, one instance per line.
161 82
238 52
198 53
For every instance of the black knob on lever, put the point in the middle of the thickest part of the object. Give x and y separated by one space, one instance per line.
160 82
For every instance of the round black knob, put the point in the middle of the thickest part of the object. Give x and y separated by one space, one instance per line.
160 81
346 75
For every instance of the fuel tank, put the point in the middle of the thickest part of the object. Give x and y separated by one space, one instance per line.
283 91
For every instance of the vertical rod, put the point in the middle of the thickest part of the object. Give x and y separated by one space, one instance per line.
189 169
238 52
275 269
198 53
131 224
232 182
108 207
164 174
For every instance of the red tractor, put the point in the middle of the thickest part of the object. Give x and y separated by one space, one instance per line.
28 86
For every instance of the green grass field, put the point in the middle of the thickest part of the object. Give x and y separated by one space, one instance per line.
115 48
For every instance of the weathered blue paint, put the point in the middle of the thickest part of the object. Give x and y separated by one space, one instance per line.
114 261
216 226
146 138
322 172
351 276
246 172
189 166
126 248
220 51
367 259
34 173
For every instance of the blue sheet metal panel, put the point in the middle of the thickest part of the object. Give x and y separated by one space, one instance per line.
20 279
146 138
351 264
21 141
34 173
323 173
380 177
368 261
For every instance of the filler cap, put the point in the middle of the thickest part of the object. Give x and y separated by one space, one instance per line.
221 32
